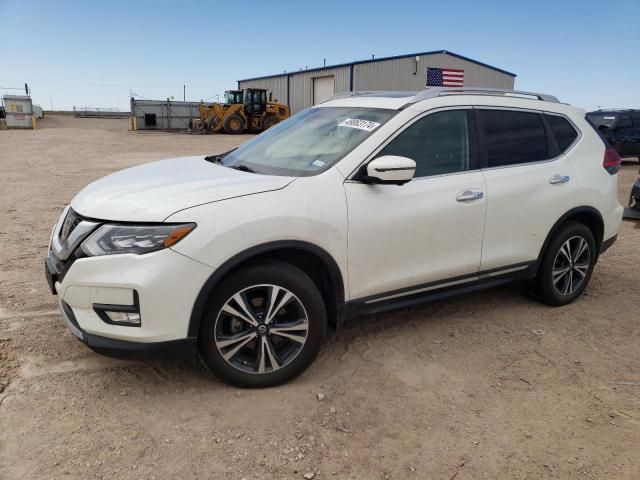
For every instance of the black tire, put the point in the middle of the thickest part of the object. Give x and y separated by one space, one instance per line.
569 285
242 368
269 121
233 124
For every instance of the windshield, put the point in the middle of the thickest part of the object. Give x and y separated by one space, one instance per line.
232 97
308 142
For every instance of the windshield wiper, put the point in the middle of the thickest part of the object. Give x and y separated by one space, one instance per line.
217 159
243 168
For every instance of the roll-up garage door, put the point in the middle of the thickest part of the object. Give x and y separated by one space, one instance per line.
323 88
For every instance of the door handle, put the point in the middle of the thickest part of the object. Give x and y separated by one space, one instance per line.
557 179
469 195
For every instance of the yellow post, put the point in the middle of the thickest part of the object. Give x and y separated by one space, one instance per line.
34 121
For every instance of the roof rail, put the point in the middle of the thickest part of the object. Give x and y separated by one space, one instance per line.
442 91
434 92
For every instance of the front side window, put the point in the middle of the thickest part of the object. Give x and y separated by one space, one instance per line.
513 137
438 143
562 130
308 142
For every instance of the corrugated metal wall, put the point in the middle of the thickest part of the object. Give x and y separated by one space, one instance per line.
275 85
168 114
392 74
398 74
301 95
301 83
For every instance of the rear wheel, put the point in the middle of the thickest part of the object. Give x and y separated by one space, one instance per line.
233 124
567 265
263 326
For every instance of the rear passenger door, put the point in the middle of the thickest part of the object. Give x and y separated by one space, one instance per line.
530 182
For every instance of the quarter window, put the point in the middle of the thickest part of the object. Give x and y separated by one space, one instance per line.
563 131
513 137
438 143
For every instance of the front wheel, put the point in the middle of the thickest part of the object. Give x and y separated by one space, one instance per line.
567 265
233 124
263 326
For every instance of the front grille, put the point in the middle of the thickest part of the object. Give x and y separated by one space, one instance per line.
70 223
70 233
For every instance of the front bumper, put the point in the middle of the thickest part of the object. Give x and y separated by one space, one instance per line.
171 350
163 285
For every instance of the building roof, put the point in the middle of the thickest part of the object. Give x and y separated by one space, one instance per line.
382 59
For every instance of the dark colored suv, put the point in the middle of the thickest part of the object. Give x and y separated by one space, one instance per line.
621 128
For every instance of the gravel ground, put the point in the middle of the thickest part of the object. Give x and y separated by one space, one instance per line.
486 385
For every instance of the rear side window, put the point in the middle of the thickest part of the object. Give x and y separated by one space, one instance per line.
563 131
598 119
513 137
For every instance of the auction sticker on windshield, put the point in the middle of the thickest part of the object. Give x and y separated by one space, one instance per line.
360 124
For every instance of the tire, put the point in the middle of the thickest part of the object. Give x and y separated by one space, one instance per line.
571 275
233 124
238 341
269 121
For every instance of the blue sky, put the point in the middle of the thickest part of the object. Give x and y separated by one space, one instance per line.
93 53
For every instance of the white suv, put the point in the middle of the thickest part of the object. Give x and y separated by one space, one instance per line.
367 202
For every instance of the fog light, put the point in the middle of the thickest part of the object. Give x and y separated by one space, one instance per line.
124 315
130 318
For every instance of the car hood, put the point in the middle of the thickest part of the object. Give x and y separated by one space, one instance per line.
153 191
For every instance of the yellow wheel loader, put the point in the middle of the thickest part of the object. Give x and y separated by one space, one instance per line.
243 110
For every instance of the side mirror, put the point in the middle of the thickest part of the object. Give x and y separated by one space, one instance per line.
390 169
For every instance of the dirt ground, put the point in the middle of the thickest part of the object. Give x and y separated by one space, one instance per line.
487 385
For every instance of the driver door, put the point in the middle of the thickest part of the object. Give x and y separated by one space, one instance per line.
426 233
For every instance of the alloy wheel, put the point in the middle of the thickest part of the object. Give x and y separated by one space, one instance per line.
260 329
571 265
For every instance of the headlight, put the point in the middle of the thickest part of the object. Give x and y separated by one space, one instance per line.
138 239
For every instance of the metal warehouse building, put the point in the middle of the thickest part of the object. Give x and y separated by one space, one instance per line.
403 72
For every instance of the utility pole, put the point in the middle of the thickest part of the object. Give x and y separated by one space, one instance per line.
184 93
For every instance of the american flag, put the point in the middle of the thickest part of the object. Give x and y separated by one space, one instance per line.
445 77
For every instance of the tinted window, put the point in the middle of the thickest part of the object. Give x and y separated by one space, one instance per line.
513 137
598 119
636 120
438 143
624 121
563 131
